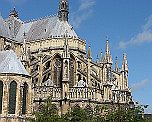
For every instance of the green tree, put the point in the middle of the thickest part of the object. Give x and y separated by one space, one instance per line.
77 115
46 113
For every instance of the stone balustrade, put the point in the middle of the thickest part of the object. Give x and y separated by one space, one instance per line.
83 94
75 93
44 92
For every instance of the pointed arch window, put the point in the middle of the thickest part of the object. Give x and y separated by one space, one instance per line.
24 98
72 68
12 97
1 96
57 72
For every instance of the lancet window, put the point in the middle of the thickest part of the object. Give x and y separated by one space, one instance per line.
72 68
24 98
57 72
1 96
12 97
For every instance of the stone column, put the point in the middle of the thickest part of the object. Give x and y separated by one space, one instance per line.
5 98
29 101
21 99
18 97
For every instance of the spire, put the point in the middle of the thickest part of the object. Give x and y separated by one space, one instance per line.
124 63
107 57
107 46
116 64
89 53
63 10
13 13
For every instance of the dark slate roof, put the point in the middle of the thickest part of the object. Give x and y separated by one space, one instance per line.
4 30
9 63
48 27
45 28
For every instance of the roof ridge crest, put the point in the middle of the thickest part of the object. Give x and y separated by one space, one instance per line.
41 18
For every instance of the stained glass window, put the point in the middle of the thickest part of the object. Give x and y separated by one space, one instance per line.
71 82
58 72
12 97
24 98
1 96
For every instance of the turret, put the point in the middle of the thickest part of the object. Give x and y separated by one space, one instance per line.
124 63
14 23
124 71
63 10
107 63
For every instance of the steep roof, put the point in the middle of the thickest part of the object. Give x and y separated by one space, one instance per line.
9 63
4 30
45 28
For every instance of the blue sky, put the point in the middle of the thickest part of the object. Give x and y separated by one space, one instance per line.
128 24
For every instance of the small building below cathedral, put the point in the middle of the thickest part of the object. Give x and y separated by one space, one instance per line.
45 57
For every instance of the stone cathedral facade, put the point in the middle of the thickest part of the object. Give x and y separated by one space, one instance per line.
45 57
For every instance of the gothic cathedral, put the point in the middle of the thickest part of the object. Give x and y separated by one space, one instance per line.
45 57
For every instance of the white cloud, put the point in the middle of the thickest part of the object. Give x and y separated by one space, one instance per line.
85 4
15 2
84 11
137 86
144 36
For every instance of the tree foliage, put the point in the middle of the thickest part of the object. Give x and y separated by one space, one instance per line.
47 113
